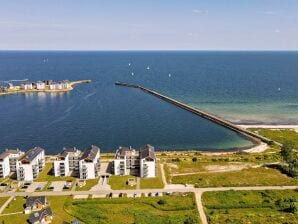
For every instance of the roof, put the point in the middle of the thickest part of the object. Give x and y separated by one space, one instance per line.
147 151
32 154
90 153
123 151
13 151
65 151
40 215
3 155
35 200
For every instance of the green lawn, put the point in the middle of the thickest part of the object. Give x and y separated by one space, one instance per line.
281 136
47 174
246 177
3 200
171 209
250 206
16 205
89 184
150 183
176 209
120 182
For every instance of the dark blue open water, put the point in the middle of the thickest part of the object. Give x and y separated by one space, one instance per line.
244 87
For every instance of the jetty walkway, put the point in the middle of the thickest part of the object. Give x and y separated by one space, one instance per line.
251 135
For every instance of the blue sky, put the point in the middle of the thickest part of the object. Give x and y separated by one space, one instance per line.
149 25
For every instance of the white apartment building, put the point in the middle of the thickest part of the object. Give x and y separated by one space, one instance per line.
31 164
40 85
90 163
27 86
14 156
147 162
129 161
9 161
126 161
67 162
4 165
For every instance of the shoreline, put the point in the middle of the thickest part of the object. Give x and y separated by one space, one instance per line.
269 126
29 91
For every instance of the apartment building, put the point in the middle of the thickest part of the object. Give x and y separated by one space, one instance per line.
67 162
8 161
90 163
14 156
4 165
129 161
31 164
147 161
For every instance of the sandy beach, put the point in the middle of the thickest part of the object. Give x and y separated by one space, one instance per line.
295 127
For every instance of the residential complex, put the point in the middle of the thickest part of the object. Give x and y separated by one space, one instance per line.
29 166
129 161
71 162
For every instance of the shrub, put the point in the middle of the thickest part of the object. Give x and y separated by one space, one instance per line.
194 159
161 202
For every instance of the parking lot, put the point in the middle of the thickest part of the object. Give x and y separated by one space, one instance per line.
57 185
35 186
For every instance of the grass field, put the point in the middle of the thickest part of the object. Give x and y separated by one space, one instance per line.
281 135
173 209
89 184
47 175
15 206
120 182
249 207
3 200
151 183
247 177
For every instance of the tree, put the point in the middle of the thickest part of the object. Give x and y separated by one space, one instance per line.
194 159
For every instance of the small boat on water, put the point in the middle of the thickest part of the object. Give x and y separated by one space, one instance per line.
148 68
132 74
170 75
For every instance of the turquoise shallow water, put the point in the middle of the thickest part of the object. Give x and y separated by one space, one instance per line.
244 87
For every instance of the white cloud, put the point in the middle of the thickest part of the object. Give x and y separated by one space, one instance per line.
198 11
277 30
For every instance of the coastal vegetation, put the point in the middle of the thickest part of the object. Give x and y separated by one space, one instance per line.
280 135
261 176
274 206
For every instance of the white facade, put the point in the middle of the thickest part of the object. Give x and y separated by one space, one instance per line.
147 168
14 156
40 85
128 161
66 85
61 166
31 164
52 86
89 163
4 165
27 86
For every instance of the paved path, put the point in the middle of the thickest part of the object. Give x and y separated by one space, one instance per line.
5 204
163 175
200 207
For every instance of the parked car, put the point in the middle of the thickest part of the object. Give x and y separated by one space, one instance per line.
38 189
51 188
4 184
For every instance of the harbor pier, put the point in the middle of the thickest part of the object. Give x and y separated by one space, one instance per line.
256 138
